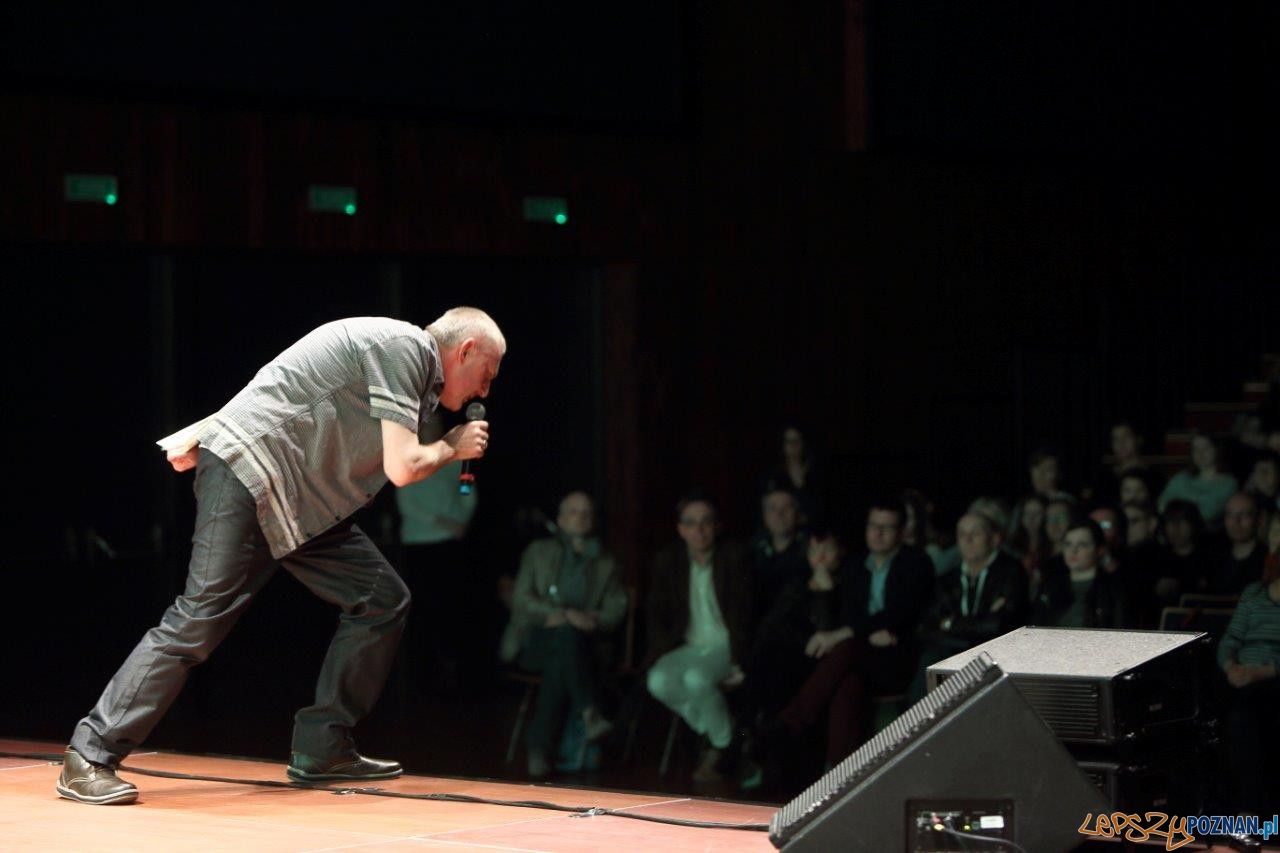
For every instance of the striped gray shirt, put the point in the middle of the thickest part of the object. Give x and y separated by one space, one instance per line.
305 436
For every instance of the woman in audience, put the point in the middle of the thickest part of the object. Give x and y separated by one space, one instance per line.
1084 596
778 665
796 470
1205 482
1029 542
1185 566
1249 655
920 532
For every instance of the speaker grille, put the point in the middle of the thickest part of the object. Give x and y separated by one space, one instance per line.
1072 709
878 751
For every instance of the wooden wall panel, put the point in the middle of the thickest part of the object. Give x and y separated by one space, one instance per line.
238 178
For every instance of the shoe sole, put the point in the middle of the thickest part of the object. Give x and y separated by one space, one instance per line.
119 798
303 776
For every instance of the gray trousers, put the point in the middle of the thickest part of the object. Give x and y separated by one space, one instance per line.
230 562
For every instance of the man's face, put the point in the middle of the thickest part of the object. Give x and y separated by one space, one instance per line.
1265 477
779 512
1133 490
1203 453
1124 444
468 372
577 515
884 532
1178 532
697 526
792 444
1141 525
1056 518
1044 476
1032 515
1107 518
975 540
1079 550
1240 520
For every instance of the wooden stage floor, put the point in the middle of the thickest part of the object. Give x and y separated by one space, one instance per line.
178 814
184 814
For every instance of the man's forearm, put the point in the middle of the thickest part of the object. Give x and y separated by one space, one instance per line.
426 459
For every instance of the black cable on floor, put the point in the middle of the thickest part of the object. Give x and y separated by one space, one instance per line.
577 811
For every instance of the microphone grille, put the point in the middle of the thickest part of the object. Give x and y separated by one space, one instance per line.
475 412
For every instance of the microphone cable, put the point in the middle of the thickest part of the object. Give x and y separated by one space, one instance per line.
576 811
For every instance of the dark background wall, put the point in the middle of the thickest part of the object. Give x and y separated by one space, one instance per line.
939 235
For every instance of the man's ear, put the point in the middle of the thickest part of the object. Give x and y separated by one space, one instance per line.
465 348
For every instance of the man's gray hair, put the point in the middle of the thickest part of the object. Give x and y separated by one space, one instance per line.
457 324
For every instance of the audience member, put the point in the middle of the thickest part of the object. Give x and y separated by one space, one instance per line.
797 470
1185 560
778 549
1151 591
1125 456
1115 530
568 595
1139 486
1240 563
778 664
1029 543
1249 654
1205 482
1245 445
982 599
1044 470
1085 596
699 613
994 510
1058 513
1264 483
920 531
434 519
1264 479
874 650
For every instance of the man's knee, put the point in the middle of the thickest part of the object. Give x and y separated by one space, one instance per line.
698 682
393 598
659 683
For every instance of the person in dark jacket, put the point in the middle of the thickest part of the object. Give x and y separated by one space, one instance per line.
699 619
1084 595
984 597
873 652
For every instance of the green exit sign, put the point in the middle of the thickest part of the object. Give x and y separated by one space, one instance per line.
99 189
545 208
332 199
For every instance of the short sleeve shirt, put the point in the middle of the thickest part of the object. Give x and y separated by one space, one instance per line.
305 435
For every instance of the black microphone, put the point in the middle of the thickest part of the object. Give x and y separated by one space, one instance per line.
466 480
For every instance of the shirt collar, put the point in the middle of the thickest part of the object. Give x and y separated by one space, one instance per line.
884 566
991 559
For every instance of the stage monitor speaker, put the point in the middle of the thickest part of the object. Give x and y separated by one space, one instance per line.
969 766
1122 689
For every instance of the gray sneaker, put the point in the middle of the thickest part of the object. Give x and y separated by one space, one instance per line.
88 782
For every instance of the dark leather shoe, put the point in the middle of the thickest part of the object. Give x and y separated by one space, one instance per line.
87 782
355 766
